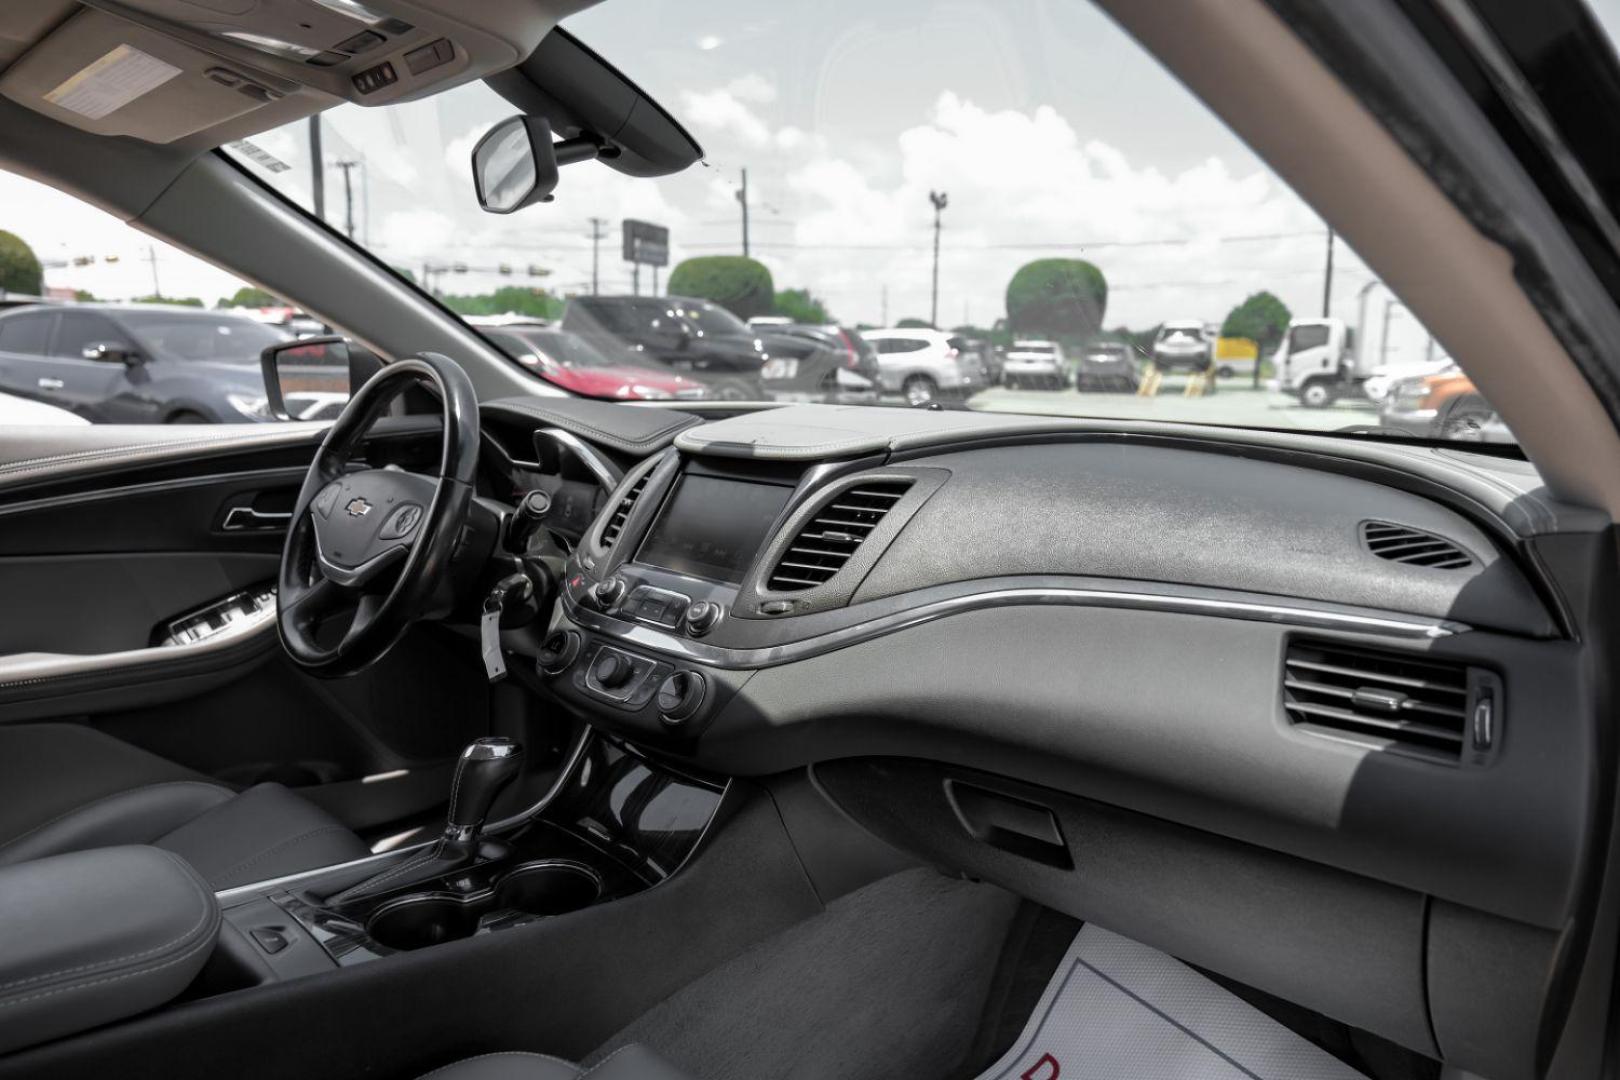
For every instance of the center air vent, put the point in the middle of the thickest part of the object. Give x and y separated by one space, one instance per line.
621 513
1401 544
1418 704
830 538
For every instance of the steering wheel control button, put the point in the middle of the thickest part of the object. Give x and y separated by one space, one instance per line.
680 696
402 523
328 498
702 617
558 652
612 670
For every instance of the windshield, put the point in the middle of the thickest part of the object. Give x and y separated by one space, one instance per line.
996 185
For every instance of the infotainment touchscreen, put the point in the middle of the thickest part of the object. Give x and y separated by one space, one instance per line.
713 528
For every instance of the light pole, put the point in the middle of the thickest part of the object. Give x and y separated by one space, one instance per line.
597 234
742 197
939 201
1327 277
348 168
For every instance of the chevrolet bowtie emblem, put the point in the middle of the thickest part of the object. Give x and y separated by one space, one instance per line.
358 507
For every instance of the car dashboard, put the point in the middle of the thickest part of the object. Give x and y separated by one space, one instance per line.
1275 704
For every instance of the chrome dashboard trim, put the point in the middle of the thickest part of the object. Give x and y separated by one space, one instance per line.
606 473
1254 610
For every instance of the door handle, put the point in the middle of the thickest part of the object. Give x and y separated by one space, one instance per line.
51 384
240 518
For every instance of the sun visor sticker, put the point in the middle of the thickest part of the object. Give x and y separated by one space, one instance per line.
115 80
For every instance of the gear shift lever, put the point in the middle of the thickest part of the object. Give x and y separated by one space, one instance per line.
486 766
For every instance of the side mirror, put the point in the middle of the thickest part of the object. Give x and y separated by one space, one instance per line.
515 164
311 378
111 352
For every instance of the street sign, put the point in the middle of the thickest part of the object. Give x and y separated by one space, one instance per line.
645 243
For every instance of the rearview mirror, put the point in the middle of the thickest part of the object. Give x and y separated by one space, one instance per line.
111 352
515 164
311 378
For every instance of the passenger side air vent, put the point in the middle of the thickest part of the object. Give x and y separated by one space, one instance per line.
830 538
1401 544
621 513
1417 704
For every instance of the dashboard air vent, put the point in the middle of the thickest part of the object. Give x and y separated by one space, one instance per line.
1418 704
828 540
1401 544
621 513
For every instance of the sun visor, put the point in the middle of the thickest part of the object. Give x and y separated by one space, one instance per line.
107 76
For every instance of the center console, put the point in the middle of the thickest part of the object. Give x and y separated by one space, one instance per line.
701 570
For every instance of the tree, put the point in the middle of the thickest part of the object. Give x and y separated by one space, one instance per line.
801 307
19 266
741 285
508 300
1262 318
914 324
1057 298
84 296
251 296
172 301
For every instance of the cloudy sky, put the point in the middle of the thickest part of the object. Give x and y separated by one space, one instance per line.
1050 130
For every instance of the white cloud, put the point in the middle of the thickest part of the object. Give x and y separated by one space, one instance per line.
1023 185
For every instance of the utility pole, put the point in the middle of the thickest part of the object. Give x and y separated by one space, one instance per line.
151 258
885 320
742 197
317 179
1327 276
939 201
348 168
598 234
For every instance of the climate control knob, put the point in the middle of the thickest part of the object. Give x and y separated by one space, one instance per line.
679 696
701 617
608 592
612 670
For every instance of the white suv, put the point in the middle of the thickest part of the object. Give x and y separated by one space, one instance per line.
922 365
1037 365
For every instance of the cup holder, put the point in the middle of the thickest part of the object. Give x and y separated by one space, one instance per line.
538 888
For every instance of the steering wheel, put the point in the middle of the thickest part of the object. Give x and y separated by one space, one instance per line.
375 544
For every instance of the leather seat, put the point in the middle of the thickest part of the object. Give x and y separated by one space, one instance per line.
65 787
633 1062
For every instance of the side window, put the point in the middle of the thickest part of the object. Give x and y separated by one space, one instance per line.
1307 337
26 332
905 345
78 330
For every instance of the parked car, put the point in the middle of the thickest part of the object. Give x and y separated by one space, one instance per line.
1183 344
1443 406
1038 365
812 367
21 412
819 363
137 363
569 361
1378 384
1106 365
694 338
986 356
921 364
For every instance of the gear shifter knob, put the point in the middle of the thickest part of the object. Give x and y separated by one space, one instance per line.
485 768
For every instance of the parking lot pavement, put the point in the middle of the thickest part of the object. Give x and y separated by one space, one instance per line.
1233 403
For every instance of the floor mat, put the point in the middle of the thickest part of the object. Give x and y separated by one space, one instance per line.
1118 1009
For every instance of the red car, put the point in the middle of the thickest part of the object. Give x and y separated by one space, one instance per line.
571 362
